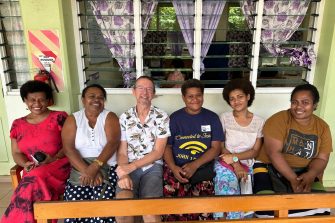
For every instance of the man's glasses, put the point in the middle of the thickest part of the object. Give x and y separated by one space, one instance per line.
142 89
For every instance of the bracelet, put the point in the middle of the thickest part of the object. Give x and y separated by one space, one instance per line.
99 162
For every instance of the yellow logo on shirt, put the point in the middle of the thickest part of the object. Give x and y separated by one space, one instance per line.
194 146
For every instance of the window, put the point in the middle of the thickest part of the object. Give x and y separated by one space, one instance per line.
104 41
229 53
14 61
269 42
291 41
164 48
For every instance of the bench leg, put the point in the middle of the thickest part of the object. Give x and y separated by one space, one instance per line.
281 214
124 194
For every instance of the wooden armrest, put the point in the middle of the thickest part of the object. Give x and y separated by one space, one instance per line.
15 174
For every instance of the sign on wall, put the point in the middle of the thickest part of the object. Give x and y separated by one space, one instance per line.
45 53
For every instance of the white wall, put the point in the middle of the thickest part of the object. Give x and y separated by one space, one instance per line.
15 108
264 105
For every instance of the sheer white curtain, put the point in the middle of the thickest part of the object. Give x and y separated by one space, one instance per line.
212 11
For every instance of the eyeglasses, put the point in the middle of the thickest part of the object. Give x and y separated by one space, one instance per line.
142 89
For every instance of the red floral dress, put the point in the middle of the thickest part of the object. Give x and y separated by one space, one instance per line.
45 182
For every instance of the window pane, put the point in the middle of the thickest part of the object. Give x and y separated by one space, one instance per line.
229 54
12 45
286 32
107 32
165 54
168 28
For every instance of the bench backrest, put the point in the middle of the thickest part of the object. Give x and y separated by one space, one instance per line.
279 203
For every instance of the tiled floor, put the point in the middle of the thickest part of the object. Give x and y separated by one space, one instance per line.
5 193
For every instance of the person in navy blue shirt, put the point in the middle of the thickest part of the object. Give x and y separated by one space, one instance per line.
195 141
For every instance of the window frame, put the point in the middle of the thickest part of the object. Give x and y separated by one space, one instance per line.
197 50
5 77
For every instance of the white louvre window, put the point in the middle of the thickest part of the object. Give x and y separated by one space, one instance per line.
14 62
165 52
107 42
270 42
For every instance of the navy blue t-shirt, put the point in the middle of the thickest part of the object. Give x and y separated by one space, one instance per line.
192 135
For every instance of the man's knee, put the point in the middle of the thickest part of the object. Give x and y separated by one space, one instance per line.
125 194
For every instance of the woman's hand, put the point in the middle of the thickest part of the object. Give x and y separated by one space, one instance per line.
227 158
179 174
88 176
306 180
29 165
99 179
240 171
48 159
189 169
296 185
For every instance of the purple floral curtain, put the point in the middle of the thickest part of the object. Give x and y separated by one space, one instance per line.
212 11
211 14
185 15
280 20
116 20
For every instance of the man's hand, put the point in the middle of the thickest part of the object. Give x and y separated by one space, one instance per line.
125 169
125 183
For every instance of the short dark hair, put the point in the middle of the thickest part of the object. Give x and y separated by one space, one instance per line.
241 84
34 86
94 86
307 87
191 83
148 78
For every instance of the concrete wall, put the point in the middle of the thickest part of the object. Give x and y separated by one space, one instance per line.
325 79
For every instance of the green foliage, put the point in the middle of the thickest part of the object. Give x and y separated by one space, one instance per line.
236 18
164 18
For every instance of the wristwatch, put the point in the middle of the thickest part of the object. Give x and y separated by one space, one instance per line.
99 162
235 159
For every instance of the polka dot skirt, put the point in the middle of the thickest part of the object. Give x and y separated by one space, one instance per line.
78 193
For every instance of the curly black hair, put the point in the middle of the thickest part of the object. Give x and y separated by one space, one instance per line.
34 86
94 86
192 83
241 84
307 87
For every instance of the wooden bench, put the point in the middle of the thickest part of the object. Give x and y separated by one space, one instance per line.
279 203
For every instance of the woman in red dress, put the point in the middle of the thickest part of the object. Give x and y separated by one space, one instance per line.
39 131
